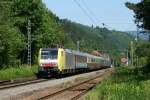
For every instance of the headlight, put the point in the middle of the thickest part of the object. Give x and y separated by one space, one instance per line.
41 64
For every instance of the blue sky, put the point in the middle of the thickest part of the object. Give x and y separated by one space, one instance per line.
111 12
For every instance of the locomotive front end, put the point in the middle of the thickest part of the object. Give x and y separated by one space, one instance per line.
48 63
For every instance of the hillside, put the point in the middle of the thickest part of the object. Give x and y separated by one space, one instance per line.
143 35
96 38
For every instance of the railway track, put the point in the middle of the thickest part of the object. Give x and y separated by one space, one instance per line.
15 83
76 91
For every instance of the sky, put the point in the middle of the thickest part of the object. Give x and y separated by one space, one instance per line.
113 13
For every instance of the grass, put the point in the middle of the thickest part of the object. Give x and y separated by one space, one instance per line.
18 72
124 84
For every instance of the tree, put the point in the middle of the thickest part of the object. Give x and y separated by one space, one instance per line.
11 42
45 28
142 13
143 50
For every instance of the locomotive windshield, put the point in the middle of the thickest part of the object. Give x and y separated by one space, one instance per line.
49 54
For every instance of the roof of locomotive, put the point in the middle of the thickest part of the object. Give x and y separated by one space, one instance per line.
44 49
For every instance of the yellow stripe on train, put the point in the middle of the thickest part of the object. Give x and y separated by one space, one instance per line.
61 59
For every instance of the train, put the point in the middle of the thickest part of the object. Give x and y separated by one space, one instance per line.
54 62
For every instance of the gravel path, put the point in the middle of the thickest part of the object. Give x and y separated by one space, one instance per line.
18 92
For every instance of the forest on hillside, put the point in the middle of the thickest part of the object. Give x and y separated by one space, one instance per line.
47 29
96 38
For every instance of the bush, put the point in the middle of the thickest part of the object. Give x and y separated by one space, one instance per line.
18 72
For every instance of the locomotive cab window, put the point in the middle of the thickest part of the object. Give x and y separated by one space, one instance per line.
49 54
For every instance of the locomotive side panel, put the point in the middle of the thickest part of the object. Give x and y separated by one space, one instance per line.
69 62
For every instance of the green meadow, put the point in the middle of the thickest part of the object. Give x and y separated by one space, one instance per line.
123 84
23 71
